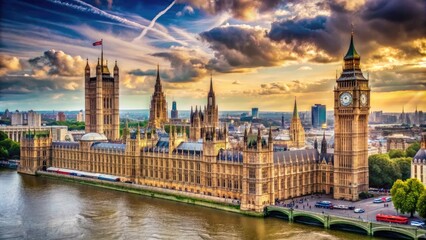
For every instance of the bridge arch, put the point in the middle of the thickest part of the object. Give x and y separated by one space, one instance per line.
392 232
310 219
279 214
351 226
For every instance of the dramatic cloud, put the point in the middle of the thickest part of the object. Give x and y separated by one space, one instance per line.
406 19
57 63
242 9
242 47
239 47
9 64
187 65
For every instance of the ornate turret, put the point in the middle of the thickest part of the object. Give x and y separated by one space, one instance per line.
158 110
98 67
352 58
211 112
316 144
297 132
116 68
352 53
323 145
295 112
158 87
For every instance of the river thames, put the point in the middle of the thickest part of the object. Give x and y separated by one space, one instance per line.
43 208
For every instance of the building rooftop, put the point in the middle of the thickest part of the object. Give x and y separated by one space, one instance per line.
94 137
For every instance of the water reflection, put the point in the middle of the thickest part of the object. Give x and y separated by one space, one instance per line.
42 208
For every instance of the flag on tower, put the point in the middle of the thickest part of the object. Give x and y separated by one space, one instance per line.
97 43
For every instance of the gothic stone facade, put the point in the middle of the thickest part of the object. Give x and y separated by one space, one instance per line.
102 101
253 172
158 110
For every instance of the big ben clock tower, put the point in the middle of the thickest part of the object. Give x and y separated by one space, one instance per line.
351 108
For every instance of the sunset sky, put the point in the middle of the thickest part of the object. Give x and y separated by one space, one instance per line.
262 53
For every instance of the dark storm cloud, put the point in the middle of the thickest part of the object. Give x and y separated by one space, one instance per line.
242 47
21 85
386 22
242 9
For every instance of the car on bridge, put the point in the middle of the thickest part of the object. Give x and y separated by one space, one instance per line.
359 210
418 224
324 204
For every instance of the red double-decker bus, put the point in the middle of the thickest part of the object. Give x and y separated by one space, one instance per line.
391 219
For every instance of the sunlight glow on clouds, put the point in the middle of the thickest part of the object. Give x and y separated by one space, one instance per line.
270 49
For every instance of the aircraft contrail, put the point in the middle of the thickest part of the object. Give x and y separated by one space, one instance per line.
145 30
97 11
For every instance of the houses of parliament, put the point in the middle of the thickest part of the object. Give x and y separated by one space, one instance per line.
254 171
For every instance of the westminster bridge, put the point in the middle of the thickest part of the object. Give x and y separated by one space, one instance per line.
370 228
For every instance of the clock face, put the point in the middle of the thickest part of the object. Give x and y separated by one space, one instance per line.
363 99
346 99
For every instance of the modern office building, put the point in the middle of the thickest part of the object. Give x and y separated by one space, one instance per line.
319 115
174 113
255 112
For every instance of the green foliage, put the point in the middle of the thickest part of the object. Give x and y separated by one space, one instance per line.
71 124
396 153
405 195
421 205
9 148
4 154
365 195
134 124
3 135
404 166
382 171
412 149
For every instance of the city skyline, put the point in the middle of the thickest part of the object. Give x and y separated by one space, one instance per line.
262 54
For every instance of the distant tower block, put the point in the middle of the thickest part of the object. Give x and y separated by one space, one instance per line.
174 113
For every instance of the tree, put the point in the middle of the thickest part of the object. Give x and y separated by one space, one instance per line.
396 153
404 166
14 150
412 149
3 136
4 154
421 205
405 195
398 194
382 171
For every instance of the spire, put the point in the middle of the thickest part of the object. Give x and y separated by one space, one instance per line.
270 135
352 53
158 81
295 112
315 144
323 144
87 64
211 82
98 63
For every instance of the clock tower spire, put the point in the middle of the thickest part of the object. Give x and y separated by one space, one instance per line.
351 109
